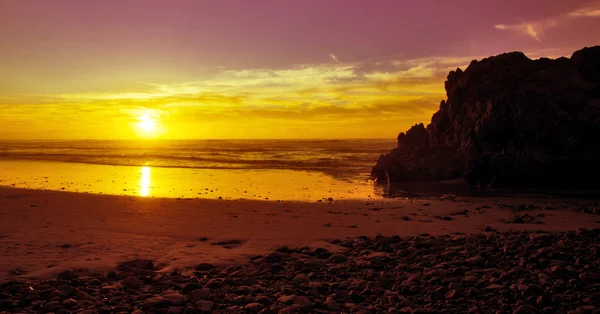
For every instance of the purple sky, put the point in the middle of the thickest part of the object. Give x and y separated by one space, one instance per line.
110 46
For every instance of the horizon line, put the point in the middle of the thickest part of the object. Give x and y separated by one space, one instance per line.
199 139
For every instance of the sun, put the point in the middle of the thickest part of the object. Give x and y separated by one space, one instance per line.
146 123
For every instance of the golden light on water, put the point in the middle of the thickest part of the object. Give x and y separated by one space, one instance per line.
145 181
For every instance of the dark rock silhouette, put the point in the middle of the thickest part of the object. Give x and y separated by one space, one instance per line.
509 122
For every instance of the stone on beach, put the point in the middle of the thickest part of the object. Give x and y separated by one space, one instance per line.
507 272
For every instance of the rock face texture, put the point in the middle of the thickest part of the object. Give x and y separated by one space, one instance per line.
509 122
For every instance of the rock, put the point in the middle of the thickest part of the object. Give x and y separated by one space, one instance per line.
263 299
450 197
199 295
175 298
68 275
190 310
413 278
214 283
204 306
69 303
136 265
301 279
6 304
524 309
508 122
533 291
95 282
205 267
595 298
590 277
175 309
156 302
189 287
239 300
68 290
52 306
451 294
321 253
475 261
132 283
253 307
338 258
331 305
287 299
305 304
494 287
112 275
290 309
523 273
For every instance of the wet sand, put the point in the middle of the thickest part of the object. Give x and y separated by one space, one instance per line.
45 232
150 181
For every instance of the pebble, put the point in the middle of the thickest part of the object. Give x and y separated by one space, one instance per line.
190 310
287 299
338 258
132 283
253 307
175 298
205 267
204 306
305 304
533 291
156 302
476 260
497 272
332 305
199 295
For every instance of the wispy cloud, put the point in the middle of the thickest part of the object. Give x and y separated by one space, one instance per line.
335 58
535 29
592 11
369 92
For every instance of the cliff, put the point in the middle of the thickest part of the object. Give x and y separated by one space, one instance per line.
509 122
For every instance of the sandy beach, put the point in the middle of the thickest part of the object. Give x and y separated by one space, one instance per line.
65 252
46 232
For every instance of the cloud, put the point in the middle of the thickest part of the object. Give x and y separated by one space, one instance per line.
335 58
535 29
231 102
592 11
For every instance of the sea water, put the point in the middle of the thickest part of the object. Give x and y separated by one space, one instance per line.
228 169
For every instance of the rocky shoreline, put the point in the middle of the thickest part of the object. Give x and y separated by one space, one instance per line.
492 272
509 122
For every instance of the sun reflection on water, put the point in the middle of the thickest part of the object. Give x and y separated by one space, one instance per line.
145 181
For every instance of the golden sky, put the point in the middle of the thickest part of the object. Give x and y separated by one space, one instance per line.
258 69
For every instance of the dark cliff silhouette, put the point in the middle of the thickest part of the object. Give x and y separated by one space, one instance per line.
509 122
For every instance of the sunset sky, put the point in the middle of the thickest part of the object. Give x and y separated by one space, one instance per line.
73 69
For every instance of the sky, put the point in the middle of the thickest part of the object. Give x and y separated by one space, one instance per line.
112 69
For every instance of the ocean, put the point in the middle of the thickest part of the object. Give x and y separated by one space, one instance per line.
228 169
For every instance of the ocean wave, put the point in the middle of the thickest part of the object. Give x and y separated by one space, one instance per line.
160 160
341 158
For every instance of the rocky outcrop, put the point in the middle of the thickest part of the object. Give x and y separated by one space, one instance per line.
509 122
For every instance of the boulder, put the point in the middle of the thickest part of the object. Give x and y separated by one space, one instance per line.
509 122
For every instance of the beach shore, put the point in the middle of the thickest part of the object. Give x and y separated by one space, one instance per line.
45 232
